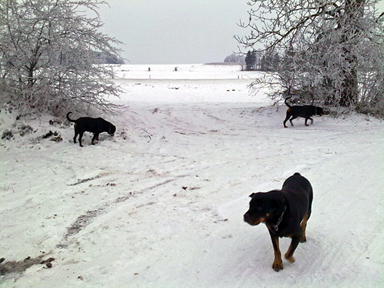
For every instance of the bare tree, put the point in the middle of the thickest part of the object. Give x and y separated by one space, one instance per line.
47 54
332 51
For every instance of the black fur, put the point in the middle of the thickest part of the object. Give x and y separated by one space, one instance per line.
285 212
305 111
94 125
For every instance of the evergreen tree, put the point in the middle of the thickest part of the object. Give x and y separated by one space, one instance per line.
270 63
250 60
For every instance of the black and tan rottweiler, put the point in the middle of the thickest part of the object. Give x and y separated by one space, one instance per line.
305 111
94 125
285 212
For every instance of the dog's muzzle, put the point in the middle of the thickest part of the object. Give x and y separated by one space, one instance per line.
250 221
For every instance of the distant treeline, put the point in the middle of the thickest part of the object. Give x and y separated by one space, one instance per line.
255 61
106 58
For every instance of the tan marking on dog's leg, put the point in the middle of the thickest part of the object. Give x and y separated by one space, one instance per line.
304 226
289 258
288 255
291 249
277 263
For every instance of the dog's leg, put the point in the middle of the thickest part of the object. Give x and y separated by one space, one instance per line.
292 248
306 119
80 138
76 133
277 263
303 227
292 119
95 137
286 119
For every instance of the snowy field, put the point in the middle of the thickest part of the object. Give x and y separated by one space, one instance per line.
161 203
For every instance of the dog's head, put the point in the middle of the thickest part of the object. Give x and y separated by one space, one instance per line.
263 206
319 111
111 129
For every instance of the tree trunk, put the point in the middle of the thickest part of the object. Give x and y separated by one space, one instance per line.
349 93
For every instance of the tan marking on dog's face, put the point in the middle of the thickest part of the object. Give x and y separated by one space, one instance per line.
256 221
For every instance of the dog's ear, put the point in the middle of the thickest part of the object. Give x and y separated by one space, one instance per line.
253 194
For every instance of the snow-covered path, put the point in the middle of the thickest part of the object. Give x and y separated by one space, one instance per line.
161 203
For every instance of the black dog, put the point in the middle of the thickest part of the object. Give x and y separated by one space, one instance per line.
94 125
285 212
305 111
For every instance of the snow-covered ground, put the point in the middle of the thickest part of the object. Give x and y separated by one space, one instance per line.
161 203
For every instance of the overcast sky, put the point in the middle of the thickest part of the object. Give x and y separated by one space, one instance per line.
176 31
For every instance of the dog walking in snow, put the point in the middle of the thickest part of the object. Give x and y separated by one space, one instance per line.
305 111
94 125
285 212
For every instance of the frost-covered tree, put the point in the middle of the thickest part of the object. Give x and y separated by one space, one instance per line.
270 62
47 55
332 51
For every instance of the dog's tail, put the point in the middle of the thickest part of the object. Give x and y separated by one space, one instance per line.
69 119
286 103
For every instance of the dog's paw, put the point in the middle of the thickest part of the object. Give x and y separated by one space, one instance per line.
303 239
277 266
290 258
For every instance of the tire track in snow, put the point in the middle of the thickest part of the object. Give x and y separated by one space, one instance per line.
86 219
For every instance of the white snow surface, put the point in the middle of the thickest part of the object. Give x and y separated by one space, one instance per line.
161 203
